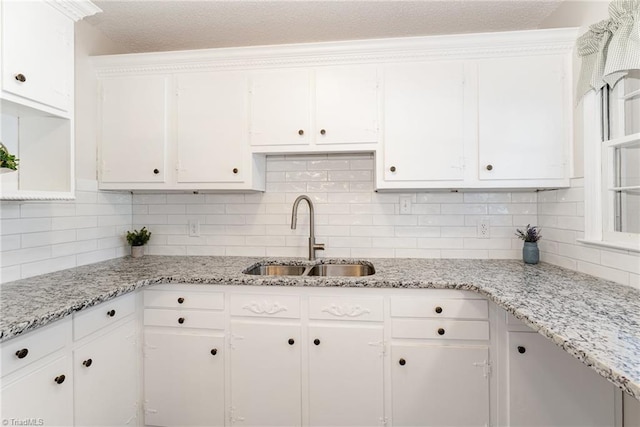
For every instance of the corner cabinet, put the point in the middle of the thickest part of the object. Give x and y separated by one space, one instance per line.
37 96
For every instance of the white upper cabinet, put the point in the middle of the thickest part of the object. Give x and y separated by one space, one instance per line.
524 113
424 123
134 129
37 53
313 109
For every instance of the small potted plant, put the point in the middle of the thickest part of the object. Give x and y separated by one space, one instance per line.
137 239
8 162
530 251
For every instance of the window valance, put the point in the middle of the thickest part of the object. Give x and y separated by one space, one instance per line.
610 47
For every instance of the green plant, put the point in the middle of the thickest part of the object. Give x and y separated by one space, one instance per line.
7 160
138 238
530 234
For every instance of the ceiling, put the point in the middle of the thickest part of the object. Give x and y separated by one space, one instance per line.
152 25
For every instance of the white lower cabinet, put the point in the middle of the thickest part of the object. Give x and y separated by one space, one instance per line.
183 378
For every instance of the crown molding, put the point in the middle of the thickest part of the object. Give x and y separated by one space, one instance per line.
462 46
76 9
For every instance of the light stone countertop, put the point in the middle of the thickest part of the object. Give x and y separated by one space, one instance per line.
596 321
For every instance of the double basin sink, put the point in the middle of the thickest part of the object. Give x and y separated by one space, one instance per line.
318 270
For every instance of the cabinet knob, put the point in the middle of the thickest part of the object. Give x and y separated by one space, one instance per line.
438 309
489 167
21 354
181 320
521 349
392 168
180 300
20 77
111 313
60 379
316 341
156 171
402 362
300 132
440 331
235 170
322 131
214 351
87 363
291 341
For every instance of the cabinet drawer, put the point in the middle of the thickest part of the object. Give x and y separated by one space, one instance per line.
440 329
91 320
439 307
23 350
345 308
184 300
184 318
277 306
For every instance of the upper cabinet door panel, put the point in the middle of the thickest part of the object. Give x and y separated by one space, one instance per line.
281 107
134 128
212 128
346 105
37 53
523 128
424 121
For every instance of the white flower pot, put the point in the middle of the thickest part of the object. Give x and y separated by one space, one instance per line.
137 251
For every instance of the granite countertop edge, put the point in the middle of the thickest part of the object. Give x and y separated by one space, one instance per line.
623 370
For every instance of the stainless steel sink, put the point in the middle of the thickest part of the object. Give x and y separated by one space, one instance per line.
349 270
277 270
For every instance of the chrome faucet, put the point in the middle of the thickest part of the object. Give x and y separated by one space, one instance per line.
313 246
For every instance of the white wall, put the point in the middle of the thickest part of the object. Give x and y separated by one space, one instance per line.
41 237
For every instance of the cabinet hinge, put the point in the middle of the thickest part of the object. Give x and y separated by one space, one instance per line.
233 337
232 417
382 345
384 421
486 368
146 348
148 410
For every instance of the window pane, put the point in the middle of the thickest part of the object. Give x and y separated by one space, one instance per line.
624 107
629 211
628 163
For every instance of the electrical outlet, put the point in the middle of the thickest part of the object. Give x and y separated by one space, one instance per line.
405 205
194 228
484 228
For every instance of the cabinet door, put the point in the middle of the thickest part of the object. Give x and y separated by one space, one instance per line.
212 127
523 117
440 385
548 387
346 375
134 129
424 122
105 391
281 107
45 395
183 379
265 373
37 52
346 105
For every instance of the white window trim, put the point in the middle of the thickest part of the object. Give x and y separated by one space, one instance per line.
594 188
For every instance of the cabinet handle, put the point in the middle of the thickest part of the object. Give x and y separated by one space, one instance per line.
156 171
489 167
235 170
402 362
392 168
291 341
316 341
181 320
301 132
87 363
21 354
214 351
322 131
180 300
438 309
521 349
111 313
59 379
440 331
20 77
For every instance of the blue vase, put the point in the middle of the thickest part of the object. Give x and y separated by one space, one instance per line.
531 253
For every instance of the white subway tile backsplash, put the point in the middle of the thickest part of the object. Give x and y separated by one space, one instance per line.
46 210
47 238
464 209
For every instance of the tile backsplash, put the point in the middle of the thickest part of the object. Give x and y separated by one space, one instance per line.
351 218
